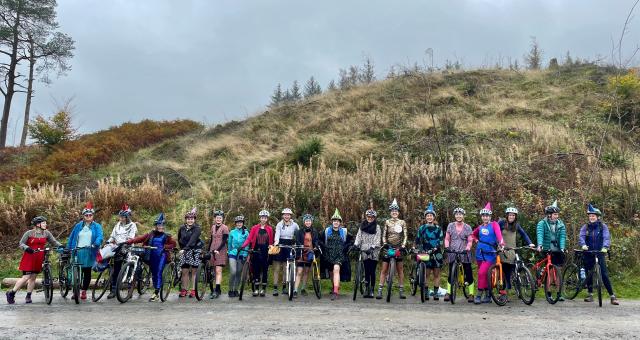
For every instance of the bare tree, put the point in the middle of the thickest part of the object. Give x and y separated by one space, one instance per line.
367 75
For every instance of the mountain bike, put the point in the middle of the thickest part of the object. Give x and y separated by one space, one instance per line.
496 280
205 275
575 278
457 276
360 284
548 276
70 273
247 275
47 276
392 253
521 278
133 274
290 273
171 276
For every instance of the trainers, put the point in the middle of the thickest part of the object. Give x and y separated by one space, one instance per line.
447 297
11 297
192 294
183 293
470 299
589 298
487 298
379 295
256 292
560 297
214 295
27 299
83 295
154 298
111 295
295 294
614 300
262 293
284 290
477 300
401 293
275 292
334 296
303 292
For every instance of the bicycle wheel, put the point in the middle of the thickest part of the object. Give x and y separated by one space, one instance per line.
526 285
125 283
461 283
413 278
75 283
421 281
316 279
201 281
357 282
63 280
497 285
167 281
453 283
144 281
47 284
597 282
101 285
572 284
552 284
291 280
244 278
392 270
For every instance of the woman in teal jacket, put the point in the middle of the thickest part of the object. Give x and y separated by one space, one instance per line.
237 256
552 234
87 234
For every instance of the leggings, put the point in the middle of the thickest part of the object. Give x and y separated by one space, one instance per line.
260 266
589 263
370 271
468 272
157 264
235 270
117 265
86 277
507 269
483 269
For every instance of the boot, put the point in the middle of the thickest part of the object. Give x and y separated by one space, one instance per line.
27 298
183 293
83 295
614 300
401 292
11 297
154 298
487 297
478 299
275 291
111 295
379 295
436 293
446 296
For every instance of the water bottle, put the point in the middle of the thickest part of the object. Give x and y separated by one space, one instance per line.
582 274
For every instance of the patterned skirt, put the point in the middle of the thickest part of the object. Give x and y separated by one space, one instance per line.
191 258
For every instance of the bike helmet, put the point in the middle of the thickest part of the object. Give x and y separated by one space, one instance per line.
486 210
394 205
511 210
430 210
37 220
160 220
191 214
287 211
238 218
264 213
459 211
125 211
88 209
593 210
306 217
217 213
371 213
552 209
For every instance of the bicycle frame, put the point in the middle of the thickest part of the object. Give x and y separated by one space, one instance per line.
545 266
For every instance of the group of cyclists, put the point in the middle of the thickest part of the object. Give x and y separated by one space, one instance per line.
231 247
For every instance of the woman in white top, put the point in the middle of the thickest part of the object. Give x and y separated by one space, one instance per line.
123 231
285 235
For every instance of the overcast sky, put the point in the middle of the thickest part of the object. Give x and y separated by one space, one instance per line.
213 61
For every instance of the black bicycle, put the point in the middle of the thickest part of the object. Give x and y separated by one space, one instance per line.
457 276
521 279
47 276
247 275
205 275
575 279
134 274
103 281
171 276
360 284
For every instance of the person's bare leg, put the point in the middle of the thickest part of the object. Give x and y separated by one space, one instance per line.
298 278
31 283
336 278
21 281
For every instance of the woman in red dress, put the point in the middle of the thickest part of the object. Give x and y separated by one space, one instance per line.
32 242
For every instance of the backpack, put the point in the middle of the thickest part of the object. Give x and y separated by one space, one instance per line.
329 231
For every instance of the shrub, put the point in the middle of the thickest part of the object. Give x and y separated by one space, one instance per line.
304 151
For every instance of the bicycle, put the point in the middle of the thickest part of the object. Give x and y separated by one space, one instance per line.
70 273
574 275
205 275
457 276
133 274
392 253
103 281
495 279
47 277
360 283
290 273
548 276
521 278
315 273
171 276
247 274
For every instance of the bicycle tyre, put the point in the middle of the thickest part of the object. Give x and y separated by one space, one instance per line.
421 282
47 284
551 289
316 280
392 269
527 286
598 282
100 286
453 284
125 283
413 278
572 283
291 280
167 281
357 282
63 280
75 282
497 285
201 281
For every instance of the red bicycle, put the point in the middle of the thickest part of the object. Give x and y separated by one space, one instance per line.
548 276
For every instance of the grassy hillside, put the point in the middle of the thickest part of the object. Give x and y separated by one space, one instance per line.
462 138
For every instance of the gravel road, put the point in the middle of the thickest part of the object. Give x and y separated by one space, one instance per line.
307 317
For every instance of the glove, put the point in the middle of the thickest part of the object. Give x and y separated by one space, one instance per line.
604 250
29 250
585 247
539 249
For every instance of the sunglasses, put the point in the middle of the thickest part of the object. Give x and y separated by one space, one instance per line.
88 215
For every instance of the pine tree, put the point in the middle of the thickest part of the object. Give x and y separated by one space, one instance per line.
367 76
533 59
295 91
332 86
344 81
277 97
354 75
312 88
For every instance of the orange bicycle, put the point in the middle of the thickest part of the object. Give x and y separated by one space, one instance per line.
548 276
496 280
